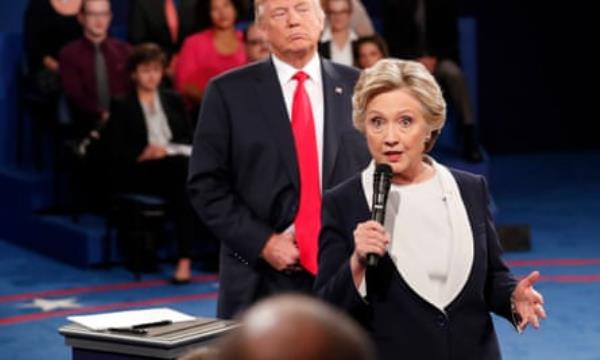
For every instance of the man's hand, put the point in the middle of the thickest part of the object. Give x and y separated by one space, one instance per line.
51 63
281 252
152 152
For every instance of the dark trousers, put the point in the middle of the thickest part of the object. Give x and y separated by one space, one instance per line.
166 178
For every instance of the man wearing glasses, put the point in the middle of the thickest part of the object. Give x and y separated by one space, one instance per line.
255 40
93 68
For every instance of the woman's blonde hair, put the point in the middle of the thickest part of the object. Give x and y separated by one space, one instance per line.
410 76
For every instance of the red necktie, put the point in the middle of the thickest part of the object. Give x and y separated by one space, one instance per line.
308 219
172 19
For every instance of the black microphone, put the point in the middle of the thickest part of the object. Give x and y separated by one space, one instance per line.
381 187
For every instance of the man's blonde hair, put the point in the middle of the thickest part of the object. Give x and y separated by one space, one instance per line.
258 9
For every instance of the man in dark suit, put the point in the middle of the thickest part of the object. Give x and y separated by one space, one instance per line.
251 159
165 22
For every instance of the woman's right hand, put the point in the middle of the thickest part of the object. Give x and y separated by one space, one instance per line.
370 237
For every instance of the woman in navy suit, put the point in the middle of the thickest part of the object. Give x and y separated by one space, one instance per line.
440 273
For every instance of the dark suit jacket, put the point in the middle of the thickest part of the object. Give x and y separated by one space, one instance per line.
401 33
127 133
243 177
149 24
402 324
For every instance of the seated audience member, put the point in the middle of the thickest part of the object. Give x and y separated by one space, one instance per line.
295 327
148 138
368 50
427 31
49 25
165 22
438 271
210 52
338 38
255 40
93 68
360 21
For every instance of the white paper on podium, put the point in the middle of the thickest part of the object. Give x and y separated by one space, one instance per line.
129 318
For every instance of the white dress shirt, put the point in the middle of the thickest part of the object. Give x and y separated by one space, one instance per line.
341 55
159 132
314 88
157 125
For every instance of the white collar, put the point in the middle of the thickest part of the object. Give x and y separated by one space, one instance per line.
285 71
326 35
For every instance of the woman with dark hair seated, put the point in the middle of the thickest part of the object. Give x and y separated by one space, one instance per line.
368 50
149 140
211 52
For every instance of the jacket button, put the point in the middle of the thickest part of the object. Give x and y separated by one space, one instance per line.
441 320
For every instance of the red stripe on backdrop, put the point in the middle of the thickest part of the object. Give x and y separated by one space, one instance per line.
570 278
100 288
553 262
106 307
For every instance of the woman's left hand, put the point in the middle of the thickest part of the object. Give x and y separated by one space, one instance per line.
528 303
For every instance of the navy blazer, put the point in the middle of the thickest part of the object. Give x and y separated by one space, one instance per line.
243 176
402 324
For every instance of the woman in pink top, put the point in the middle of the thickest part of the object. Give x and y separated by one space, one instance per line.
210 52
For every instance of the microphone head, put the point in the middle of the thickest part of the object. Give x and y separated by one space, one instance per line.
381 178
384 169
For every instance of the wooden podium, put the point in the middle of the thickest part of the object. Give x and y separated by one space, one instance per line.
165 342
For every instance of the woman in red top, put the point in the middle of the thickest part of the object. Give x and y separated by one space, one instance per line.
210 52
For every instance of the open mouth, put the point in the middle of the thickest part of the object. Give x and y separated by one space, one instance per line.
393 155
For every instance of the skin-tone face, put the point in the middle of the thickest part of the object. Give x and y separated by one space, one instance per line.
339 15
368 55
293 28
95 19
147 76
257 47
396 132
222 14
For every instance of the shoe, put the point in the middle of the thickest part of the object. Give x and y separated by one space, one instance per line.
176 281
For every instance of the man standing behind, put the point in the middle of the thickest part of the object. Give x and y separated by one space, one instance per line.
164 22
255 41
270 138
93 68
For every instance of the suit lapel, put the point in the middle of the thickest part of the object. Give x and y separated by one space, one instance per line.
139 121
333 97
272 104
172 119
